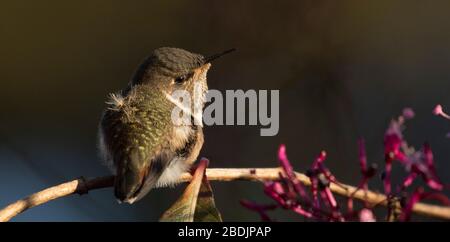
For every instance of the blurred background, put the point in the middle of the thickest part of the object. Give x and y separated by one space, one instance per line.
343 68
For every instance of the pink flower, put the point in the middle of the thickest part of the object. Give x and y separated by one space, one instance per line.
261 209
318 202
282 157
366 172
408 113
437 110
423 167
366 215
287 167
419 195
362 156
440 112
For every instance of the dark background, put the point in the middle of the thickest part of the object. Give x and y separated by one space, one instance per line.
343 68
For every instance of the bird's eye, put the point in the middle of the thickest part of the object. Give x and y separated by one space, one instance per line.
183 78
180 79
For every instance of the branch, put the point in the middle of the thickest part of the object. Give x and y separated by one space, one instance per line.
82 186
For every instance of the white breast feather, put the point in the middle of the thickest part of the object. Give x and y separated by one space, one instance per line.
171 175
180 136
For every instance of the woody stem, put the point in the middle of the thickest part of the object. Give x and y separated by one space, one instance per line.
82 186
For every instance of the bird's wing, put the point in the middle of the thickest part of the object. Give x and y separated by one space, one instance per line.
134 137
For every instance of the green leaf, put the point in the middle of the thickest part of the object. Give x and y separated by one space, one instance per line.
196 204
206 210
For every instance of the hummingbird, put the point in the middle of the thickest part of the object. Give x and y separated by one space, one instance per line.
137 137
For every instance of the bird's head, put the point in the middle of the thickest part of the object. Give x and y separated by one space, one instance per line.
171 69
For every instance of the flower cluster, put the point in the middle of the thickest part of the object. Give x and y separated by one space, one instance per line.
440 112
317 201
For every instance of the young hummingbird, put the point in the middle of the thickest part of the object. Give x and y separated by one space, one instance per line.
137 136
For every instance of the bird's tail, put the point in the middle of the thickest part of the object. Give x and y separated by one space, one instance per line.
132 182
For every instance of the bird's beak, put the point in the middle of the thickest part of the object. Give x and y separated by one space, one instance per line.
201 70
213 57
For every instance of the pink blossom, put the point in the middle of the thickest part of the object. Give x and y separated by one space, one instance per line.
291 194
424 167
438 110
261 209
362 156
287 167
366 215
408 113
